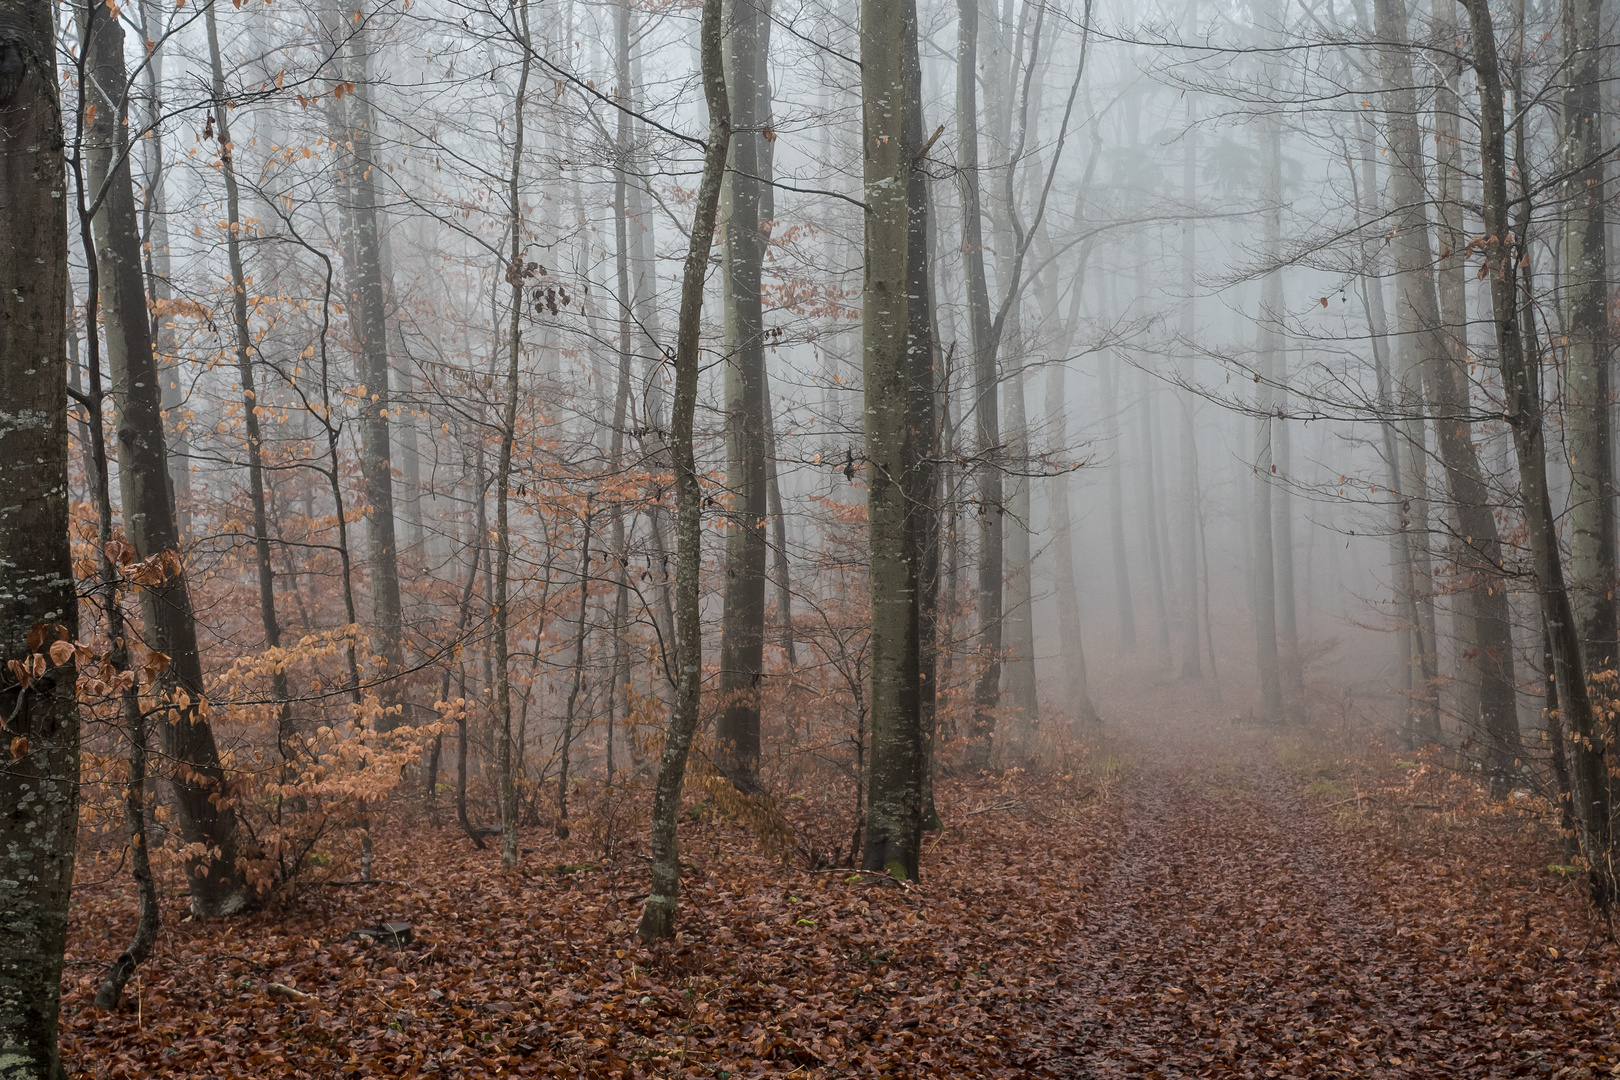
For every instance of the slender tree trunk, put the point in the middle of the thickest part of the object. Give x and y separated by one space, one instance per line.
1452 290
784 583
894 806
368 316
286 735
516 275
39 793
1109 375
986 407
1268 659
1293 667
569 712
658 917
205 814
155 228
923 379
1190 667
742 623
1150 505
1589 779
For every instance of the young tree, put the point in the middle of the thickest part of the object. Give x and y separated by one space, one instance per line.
658 917
39 783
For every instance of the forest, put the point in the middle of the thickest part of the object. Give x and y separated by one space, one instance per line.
725 538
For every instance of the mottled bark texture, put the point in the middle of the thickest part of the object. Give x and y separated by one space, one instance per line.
894 805
742 623
204 813
658 917
39 758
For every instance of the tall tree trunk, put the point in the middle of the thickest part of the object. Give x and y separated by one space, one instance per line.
1267 658
742 622
286 735
155 228
894 806
1452 289
1588 400
1109 375
205 814
1520 383
1293 665
39 792
368 318
986 409
1147 452
1186 405
1077 692
658 917
923 383
505 753
1428 327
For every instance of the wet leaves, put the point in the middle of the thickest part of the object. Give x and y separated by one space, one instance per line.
1214 916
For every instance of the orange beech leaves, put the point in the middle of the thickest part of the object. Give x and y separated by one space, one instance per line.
1208 912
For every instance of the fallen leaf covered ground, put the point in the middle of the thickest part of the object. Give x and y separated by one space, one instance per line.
1233 903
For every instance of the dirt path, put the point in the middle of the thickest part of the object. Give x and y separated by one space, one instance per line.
1241 931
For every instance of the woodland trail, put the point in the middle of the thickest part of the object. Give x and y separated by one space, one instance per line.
1224 903
1240 930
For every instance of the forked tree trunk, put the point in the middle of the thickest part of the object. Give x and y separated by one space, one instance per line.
205 814
39 792
658 917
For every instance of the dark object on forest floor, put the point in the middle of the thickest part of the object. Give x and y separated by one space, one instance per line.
480 835
397 934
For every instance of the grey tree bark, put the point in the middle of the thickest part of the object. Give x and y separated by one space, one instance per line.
368 320
516 276
986 392
287 734
658 917
742 622
1267 657
1185 402
1588 399
894 806
1444 361
1589 766
39 800
1109 376
206 817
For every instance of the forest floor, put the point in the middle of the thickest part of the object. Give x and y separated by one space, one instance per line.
1197 898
